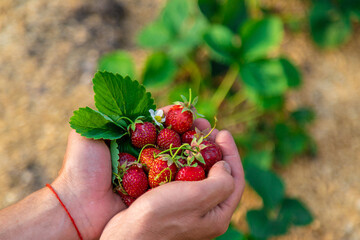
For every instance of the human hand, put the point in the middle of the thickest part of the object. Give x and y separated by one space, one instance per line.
186 210
84 185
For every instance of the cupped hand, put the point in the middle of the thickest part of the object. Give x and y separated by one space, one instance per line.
84 185
186 210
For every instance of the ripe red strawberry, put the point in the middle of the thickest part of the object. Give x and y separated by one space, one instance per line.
134 181
166 137
211 154
179 120
188 136
162 171
128 200
144 133
147 157
190 173
126 157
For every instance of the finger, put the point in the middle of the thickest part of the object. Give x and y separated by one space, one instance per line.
217 187
166 108
232 157
81 150
203 125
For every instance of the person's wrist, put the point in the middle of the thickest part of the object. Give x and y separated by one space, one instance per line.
71 198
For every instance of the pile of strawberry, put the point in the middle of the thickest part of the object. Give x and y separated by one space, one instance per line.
175 152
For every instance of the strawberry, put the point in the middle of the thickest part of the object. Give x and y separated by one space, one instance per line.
134 181
179 118
190 173
142 134
167 137
211 154
126 157
128 200
147 157
188 136
162 171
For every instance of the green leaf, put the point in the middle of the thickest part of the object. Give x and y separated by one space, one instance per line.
159 70
155 35
232 234
261 37
114 151
328 26
303 115
174 14
221 43
261 226
125 146
190 37
289 143
295 211
261 159
292 74
271 103
209 8
92 124
117 62
266 103
267 184
119 97
234 14
266 77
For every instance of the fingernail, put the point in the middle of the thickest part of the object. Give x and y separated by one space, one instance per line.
227 167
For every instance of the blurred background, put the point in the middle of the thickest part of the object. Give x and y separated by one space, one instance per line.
281 75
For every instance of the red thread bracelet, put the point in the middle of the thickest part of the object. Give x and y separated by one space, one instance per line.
63 205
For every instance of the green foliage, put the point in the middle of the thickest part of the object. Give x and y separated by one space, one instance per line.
267 184
294 211
265 77
328 25
118 62
303 115
331 21
221 43
260 37
262 159
232 234
159 70
264 226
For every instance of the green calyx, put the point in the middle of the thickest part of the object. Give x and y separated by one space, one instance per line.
188 105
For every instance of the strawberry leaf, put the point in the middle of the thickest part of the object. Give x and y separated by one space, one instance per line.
114 159
125 146
92 124
119 97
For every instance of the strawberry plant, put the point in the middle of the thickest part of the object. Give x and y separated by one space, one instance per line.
228 52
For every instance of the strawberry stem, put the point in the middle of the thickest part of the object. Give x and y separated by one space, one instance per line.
189 103
147 145
168 150
215 119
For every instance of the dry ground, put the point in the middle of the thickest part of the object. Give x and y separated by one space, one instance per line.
48 54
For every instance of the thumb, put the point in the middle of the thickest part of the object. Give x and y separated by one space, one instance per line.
219 184
219 168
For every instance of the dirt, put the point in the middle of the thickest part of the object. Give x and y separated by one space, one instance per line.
48 55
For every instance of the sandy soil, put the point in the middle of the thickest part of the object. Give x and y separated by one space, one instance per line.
48 55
